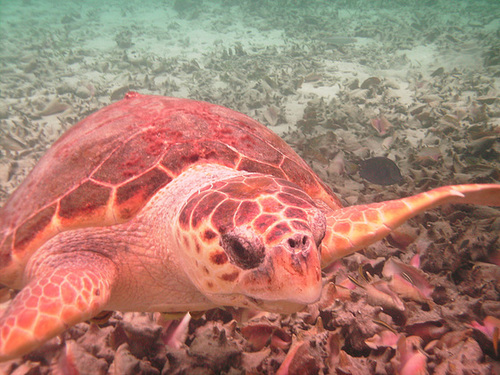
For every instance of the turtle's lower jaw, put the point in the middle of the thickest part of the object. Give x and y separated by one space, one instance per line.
279 307
283 306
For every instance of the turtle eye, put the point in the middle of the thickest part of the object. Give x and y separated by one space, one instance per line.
244 251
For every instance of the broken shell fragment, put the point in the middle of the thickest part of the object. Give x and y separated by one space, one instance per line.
54 107
403 236
428 155
406 289
381 125
370 82
337 165
312 77
428 330
409 359
299 360
449 340
491 329
387 143
258 335
482 145
450 119
438 72
271 114
380 294
74 359
410 281
383 339
261 334
487 99
175 332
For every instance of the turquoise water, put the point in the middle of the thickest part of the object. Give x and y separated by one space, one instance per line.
193 48
304 68
293 65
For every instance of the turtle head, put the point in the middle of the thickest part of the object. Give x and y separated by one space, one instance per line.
252 241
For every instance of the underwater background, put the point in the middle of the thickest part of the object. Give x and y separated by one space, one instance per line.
387 68
411 85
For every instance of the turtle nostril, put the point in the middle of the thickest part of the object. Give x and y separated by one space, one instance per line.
298 243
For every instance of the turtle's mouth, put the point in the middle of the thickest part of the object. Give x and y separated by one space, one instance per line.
280 307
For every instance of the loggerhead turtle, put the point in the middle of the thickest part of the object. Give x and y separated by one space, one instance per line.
164 204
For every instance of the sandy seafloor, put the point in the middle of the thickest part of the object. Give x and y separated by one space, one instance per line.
320 74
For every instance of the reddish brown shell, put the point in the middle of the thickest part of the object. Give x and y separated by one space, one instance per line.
106 168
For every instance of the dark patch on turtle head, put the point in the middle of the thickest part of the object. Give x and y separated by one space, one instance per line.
218 258
244 248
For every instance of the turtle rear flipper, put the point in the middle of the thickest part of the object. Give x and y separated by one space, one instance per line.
352 228
68 289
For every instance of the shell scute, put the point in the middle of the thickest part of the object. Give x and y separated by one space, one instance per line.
223 216
247 211
128 161
33 227
277 232
186 212
296 170
181 155
294 200
6 253
296 191
206 207
152 141
300 225
87 202
295 213
258 167
133 195
184 152
257 149
264 221
270 204
241 190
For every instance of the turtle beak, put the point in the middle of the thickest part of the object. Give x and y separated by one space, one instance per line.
291 273
298 264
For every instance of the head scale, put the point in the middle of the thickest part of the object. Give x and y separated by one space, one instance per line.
253 241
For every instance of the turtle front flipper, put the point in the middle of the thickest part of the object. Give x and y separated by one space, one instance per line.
66 292
352 228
